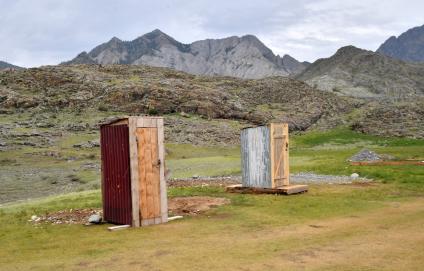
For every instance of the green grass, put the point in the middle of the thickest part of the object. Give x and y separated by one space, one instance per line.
254 230
328 152
186 160
66 246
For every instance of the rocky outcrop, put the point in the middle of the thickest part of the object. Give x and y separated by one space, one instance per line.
409 46
198 109
244 57
143 89
355 72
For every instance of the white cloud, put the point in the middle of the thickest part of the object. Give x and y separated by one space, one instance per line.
48 31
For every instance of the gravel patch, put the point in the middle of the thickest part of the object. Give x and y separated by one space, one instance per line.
298 178
312 178
365 155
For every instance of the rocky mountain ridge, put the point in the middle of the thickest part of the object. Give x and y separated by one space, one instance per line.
409 46
243 57
360 73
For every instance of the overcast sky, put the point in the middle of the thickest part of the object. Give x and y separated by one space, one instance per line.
42 32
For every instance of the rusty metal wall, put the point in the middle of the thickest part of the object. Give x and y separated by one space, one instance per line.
116 183
255 157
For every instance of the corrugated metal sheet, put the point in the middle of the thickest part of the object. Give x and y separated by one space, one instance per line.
116 183
255 157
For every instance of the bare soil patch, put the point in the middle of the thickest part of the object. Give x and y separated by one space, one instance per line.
71 216
187 206
194 205
388 163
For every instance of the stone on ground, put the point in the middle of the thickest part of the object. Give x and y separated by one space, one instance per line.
365 155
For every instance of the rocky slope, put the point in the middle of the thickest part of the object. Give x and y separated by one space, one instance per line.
5 65
142 89
198 109
355 72
409 46
244 57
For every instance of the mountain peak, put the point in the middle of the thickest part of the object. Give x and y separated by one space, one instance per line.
409 46
356 72
245 57
156 33
349 49
115 39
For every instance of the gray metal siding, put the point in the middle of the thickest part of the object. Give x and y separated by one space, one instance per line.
255 157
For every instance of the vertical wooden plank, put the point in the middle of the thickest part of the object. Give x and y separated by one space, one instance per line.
141 136
155 172
149 173
280 165
135 196
286 174
162 180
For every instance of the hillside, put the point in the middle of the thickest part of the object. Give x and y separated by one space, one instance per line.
355 72
82 92
244 57
50 118
5 65
143 89
409 46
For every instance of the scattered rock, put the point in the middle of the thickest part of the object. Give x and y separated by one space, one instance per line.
77 127
185 115
365 155
71 216
354 175
95 219
88 144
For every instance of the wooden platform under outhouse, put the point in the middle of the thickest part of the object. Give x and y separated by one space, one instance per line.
283 190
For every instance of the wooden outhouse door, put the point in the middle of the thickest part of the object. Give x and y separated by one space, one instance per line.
149 173
279 154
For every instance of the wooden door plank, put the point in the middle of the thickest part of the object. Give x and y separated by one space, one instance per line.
162 180
286 173
135 194
141 135
146 122
155 172
149 174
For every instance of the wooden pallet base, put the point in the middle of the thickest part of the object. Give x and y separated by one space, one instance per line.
284 190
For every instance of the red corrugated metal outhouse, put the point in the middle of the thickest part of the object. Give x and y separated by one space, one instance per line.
133 172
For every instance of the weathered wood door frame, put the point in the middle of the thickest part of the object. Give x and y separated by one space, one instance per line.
279 145
136 123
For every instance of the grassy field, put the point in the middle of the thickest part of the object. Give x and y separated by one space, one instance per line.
333 227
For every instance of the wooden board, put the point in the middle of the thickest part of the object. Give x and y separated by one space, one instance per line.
149 175
284 190
135 194
279 140
162 180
